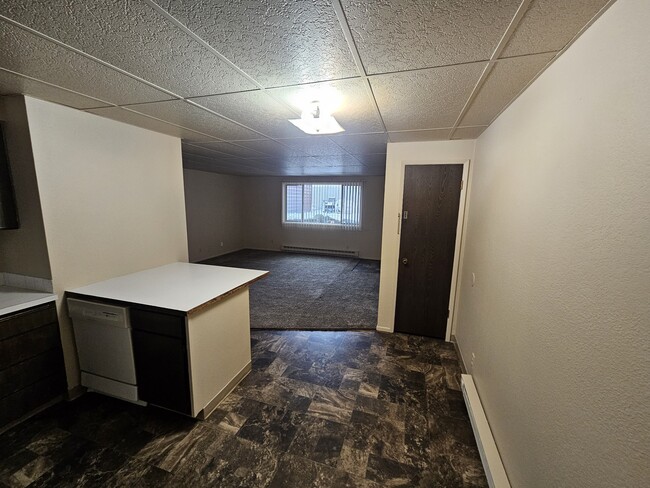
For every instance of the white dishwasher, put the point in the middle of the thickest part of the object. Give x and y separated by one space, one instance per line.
103 336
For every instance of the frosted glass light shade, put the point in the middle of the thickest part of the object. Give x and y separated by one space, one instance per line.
318 125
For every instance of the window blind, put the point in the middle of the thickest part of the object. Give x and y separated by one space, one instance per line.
322 205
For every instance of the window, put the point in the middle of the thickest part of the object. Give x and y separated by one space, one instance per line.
322 204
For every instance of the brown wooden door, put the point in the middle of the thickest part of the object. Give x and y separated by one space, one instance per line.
427 244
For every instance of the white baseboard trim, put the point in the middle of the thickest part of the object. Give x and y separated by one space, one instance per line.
214 403
75 392
384 329
463 367
492 464
320 250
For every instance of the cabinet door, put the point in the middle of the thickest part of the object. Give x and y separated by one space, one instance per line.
161 370
31 362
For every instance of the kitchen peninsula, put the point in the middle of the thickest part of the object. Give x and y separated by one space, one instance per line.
190 328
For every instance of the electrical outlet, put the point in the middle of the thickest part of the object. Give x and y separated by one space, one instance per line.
221 243
473 279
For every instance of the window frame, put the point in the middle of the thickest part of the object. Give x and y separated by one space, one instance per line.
302 223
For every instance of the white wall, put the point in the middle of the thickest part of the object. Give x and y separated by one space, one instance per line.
112 200
215 218
558 236
398 155
24 250
264 230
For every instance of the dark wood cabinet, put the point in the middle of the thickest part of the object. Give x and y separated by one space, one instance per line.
161 361
32 372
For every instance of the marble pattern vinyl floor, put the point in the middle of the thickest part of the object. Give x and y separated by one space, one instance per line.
319 409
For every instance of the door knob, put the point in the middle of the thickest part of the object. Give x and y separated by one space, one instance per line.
405 261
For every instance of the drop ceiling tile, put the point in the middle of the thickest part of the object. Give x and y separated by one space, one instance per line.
337 170
372 159
368 171
201 150
231 163
394 35
275 41
14 84
304 172
507 78
314 146
355 110
128 117
270 148
425 99
300 171
206 159
301 161
257 110
340 160
33 56
549 25
132 36
305 162
267 164
420 135
241 163
224 148
200 166
187 115
220 169
468 132
228 166
362 143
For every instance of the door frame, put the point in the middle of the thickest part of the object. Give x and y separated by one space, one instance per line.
460 227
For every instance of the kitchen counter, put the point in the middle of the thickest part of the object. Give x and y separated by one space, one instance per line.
189 334
183 287
14 299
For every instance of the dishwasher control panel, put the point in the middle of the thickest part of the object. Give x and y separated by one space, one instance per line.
100 313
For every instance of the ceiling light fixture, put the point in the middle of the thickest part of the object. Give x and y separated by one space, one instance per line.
315 119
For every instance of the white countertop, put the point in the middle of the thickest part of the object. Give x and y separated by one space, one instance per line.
14 299
178 286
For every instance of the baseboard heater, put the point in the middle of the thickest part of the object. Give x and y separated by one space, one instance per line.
492 464
316 250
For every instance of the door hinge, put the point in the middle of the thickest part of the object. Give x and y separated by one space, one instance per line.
462 183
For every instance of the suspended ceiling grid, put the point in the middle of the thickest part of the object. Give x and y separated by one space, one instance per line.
227 76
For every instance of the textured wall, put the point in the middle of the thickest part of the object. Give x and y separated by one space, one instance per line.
213 205
24 250
112 200
558 233
398 155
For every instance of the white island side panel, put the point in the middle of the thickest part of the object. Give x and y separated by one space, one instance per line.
219 349
177 286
